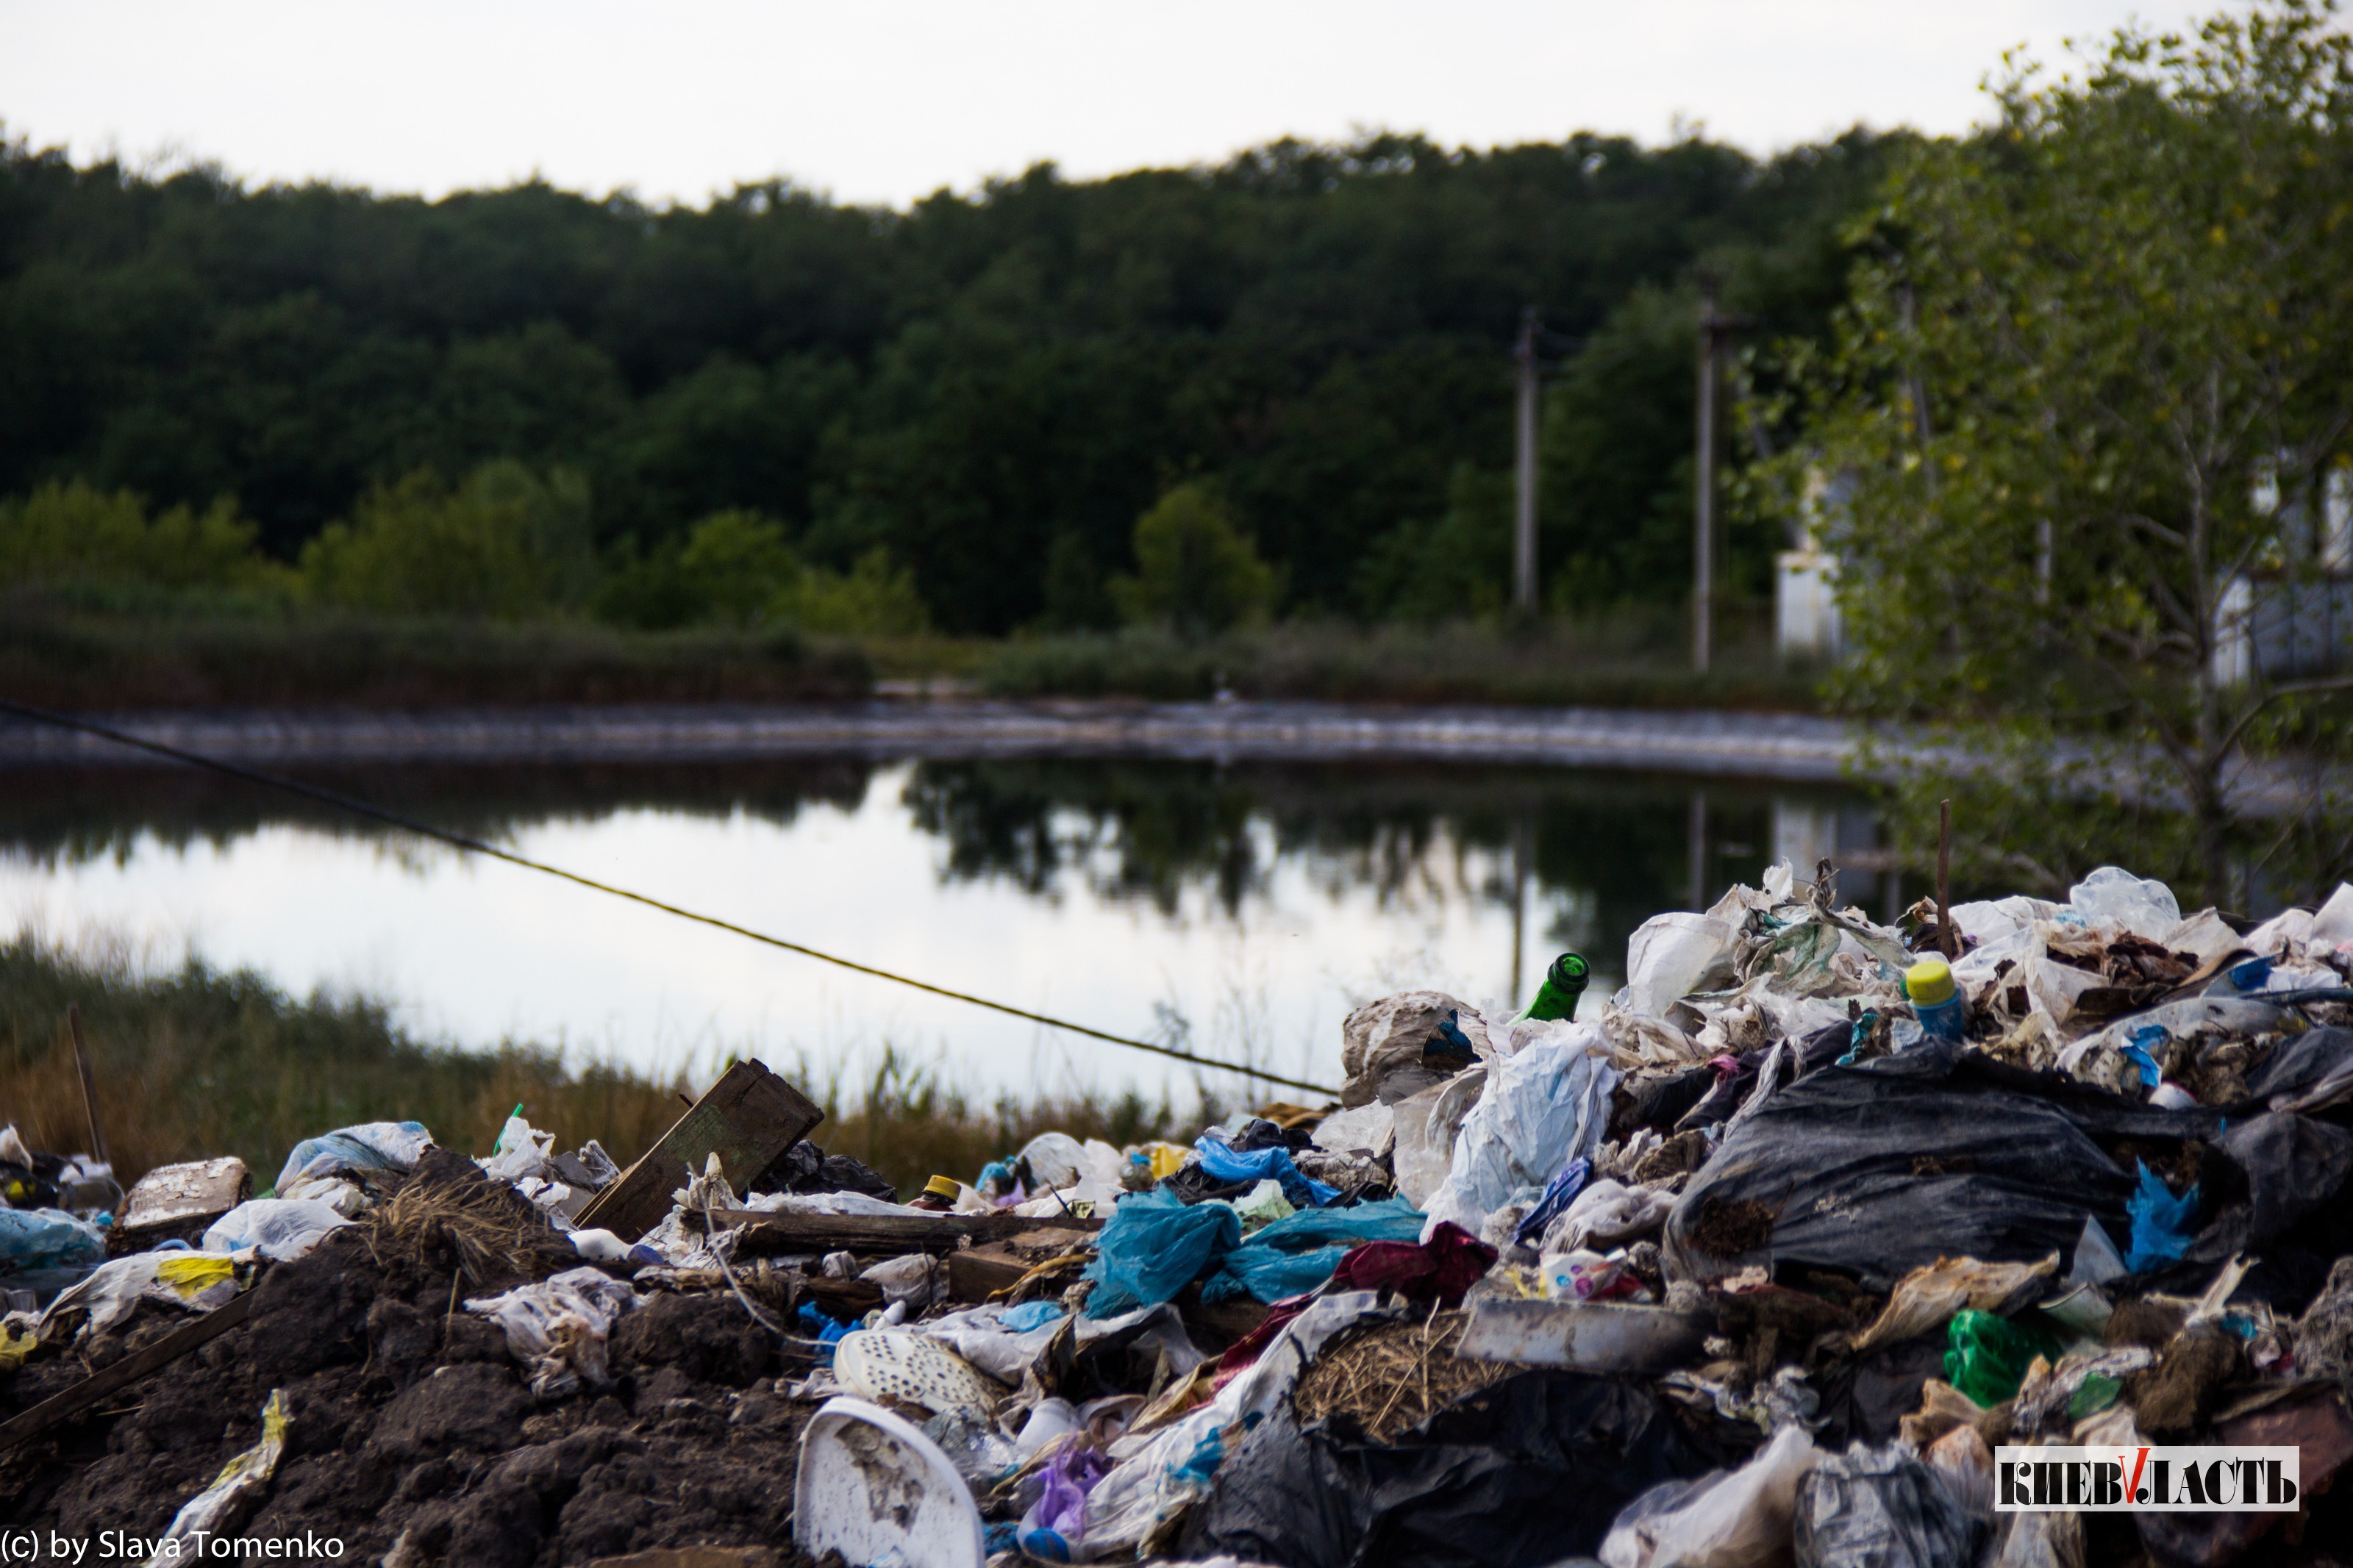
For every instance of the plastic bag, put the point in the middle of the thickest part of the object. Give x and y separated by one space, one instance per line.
1735 1520
1606 1214
1003 1342
1399 1046
2141 905
47 1238
1154 1247
197 1280
1055 1526
1672 955
369 1146
283 1228
1439 1269
1540 1109
1424 1129
1220 1159
2163 1225
1927 1298
1293 1256
518 1152
220 1507
1884 1508
558 1327
1988 1356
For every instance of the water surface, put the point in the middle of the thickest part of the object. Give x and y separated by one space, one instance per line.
1241 910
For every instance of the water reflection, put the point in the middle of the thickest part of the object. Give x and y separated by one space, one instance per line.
1247 906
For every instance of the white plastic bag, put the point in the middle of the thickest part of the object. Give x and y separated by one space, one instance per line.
1540 1109
1672 955
1606 1214
1426 1126
283 1228
557 1327
2141 905
1740 1518
520 1151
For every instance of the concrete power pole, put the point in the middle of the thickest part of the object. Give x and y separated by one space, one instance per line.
1703 495
1523 522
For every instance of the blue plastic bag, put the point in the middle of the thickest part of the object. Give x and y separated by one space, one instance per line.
1227 1163
1554 1202
2162 1225
1030 1316
1154 1247
47 1238
370 1146
1296 1255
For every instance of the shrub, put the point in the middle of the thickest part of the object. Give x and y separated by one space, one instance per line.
507 544
76 533
1196 572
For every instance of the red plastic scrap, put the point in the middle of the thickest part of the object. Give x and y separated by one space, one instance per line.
1448 1264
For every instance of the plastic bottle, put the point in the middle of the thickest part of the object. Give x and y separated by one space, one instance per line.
1563 982
1935 1000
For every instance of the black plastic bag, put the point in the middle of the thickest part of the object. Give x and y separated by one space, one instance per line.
1878 1169
1517 1476
1881 1509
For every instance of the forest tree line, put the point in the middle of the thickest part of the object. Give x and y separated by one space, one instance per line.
954 415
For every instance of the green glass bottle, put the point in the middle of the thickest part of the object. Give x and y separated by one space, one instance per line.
1563 982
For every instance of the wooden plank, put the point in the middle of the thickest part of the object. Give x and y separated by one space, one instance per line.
748 1118
73 1401
894 1233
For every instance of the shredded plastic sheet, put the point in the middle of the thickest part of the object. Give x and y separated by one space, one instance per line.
557 1327
2163 1225
369 1146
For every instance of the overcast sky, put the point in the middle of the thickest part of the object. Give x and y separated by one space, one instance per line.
884 100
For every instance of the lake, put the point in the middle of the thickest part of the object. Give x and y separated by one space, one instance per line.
1238 909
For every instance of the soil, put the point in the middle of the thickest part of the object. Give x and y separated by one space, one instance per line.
412 1433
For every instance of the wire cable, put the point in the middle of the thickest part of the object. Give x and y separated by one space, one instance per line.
464 841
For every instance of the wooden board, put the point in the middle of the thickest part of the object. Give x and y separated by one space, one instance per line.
893 1234
748 1118
73 1401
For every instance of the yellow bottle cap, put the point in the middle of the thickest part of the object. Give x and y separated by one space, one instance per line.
944 1187
1929 982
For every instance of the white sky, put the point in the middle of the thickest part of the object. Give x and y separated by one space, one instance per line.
888 99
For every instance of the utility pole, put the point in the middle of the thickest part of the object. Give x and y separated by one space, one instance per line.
1703 496
1713 331
1523 522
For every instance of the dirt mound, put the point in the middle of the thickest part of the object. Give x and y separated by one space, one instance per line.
413 1433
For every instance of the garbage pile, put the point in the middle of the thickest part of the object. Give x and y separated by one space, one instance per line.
1754 1262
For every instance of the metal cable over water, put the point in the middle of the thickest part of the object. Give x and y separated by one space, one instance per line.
463 841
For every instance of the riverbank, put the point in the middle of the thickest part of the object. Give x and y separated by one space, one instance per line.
1789 747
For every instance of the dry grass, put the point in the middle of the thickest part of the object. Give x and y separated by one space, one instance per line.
196 1063
1394 1374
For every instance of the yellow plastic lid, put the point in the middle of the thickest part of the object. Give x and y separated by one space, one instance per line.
943 1187
1929 982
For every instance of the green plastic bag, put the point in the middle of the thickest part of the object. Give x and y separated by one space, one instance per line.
1989 1354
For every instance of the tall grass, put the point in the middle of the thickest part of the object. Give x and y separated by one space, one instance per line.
194 1062
131 655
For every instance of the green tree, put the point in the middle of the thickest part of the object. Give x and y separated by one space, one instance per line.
1196 572
72 532
874 598
737 563
2081 343
507 543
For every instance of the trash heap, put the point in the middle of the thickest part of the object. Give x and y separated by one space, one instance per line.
1754 1262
